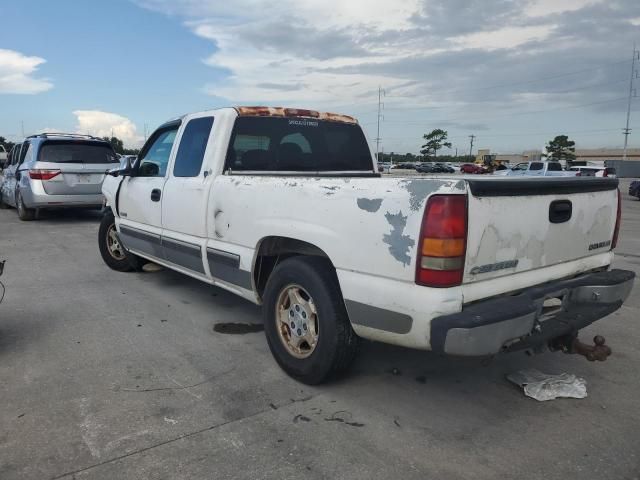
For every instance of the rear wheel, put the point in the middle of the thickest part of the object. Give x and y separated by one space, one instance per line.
112 250
24 213
306 323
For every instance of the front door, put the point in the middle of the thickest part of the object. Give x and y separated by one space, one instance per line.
140 200
184 202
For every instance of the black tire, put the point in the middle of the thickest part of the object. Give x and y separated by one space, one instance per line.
24 213
126 262
337 343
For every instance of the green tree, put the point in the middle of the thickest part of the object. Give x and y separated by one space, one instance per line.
116 143
561 148
6 143
434 141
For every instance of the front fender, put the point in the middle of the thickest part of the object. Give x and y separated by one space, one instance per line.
110 188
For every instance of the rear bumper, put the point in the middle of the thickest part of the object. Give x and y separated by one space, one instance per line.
519 321
34 196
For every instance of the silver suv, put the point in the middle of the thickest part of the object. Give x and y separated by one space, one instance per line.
56 170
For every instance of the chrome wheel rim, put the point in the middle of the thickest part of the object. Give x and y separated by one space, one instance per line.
297 321
113 244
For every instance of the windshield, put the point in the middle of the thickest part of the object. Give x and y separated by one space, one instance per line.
297 144
70 151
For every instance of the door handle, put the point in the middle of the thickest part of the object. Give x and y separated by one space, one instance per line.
155 195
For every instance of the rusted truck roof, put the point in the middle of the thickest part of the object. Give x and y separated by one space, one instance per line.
293 112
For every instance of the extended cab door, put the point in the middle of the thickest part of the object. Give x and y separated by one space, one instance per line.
139 202
184 203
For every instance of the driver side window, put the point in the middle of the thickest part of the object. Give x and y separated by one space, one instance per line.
155 159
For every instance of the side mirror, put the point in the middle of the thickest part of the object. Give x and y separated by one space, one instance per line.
124 171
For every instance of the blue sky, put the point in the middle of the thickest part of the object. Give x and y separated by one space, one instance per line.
512 72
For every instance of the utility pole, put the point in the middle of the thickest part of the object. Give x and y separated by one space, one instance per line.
472 137
632 94
381 93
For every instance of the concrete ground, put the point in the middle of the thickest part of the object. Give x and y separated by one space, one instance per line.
108 375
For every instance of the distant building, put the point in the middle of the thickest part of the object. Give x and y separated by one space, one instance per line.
600 155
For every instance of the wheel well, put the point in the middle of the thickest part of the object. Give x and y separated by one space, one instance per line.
273 250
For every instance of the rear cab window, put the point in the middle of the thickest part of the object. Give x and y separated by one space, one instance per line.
286 144
75 151
536 166
554 167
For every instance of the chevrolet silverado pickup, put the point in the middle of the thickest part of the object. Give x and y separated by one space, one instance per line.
285 208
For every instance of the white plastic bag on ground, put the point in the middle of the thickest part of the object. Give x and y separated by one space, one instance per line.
544 386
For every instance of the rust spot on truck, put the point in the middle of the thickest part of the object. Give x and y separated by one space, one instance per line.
263 111
399 244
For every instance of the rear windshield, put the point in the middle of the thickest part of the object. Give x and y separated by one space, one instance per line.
69 151
297 144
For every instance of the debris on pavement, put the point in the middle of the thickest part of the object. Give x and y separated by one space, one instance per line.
152 267
544 386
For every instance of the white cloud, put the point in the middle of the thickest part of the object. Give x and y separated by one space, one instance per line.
16 74
104 124
540 8
508 37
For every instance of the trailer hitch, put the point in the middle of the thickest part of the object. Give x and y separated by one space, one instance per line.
598 352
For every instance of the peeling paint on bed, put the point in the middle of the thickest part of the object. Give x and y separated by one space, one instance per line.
369 204
420 189
399 244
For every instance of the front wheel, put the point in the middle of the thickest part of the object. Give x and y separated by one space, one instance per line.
306 322
112 250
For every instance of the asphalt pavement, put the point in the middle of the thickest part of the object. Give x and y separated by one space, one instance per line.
109 375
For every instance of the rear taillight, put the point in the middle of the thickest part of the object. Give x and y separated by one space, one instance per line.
39 174
616 230
605 173
443 242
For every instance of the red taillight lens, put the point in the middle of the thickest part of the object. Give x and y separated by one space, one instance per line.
616 230
38 174
443 238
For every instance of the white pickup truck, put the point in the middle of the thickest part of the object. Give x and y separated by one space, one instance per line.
285 208
536 169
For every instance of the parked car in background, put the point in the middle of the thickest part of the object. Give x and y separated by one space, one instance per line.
593 171
471 168
536 169
3 157
634 189
56 170
425 167
444 168
461 266
406 166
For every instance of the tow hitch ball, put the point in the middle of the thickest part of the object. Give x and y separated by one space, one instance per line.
570 344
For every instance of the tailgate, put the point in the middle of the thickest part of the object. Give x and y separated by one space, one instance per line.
74 178
520 224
